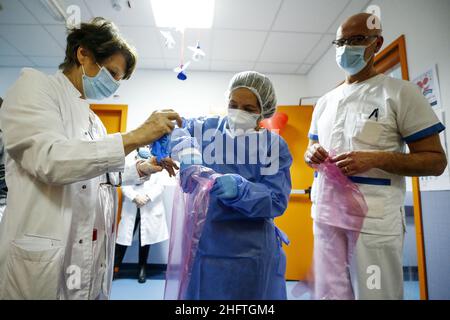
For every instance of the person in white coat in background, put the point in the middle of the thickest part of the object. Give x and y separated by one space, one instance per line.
143 207
58 230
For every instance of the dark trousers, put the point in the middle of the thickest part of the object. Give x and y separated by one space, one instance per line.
143 250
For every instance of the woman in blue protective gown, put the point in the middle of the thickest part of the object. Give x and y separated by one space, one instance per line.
240 253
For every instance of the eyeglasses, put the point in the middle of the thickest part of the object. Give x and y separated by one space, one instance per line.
352 41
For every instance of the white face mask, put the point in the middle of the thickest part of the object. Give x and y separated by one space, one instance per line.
241 121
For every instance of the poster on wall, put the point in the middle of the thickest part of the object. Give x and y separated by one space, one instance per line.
428 83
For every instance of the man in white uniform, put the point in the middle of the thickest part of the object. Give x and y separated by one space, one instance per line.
368 121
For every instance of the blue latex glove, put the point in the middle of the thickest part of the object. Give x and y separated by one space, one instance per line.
160 148
225 187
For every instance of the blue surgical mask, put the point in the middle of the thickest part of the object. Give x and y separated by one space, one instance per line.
351 58
102 86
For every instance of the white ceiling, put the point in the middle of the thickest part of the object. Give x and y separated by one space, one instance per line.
273 36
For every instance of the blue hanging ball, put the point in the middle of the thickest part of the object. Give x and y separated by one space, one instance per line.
182 76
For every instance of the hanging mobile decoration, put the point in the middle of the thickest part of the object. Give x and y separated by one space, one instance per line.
181 75
169 40
198 53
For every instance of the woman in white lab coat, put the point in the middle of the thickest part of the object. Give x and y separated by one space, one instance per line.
57 232
143 207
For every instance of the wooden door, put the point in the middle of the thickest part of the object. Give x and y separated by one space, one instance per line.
114 118
296 221
395 55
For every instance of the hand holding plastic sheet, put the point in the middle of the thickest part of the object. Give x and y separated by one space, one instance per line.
192 175
339 201
188 218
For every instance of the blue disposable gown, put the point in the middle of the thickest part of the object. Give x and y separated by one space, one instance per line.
240 253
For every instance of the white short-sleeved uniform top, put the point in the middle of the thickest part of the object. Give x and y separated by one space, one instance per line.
381 113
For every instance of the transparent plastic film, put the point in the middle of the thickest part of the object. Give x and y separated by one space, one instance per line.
340 212
188 218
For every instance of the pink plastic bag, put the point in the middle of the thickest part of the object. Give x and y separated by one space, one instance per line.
339 203
341 209
188 218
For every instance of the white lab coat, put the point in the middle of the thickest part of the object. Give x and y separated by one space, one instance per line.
153 225
58 154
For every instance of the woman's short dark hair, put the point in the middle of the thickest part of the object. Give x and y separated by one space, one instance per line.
102 38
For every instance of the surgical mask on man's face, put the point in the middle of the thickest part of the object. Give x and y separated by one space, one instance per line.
241 121
351 58
102 86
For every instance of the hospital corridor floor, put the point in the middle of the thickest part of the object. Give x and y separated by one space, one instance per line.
153 289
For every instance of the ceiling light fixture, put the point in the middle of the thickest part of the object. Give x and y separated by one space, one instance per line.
183 14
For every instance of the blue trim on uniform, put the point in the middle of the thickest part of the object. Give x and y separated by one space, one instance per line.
316 174
314 137
437 128
371 181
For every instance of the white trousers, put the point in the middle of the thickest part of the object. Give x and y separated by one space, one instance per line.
353 265
2 209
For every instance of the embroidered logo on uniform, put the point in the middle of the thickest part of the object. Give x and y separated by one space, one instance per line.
374 114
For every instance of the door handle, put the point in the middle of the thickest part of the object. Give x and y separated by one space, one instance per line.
302 191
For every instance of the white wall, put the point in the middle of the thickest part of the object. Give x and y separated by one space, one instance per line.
202 93
426 26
